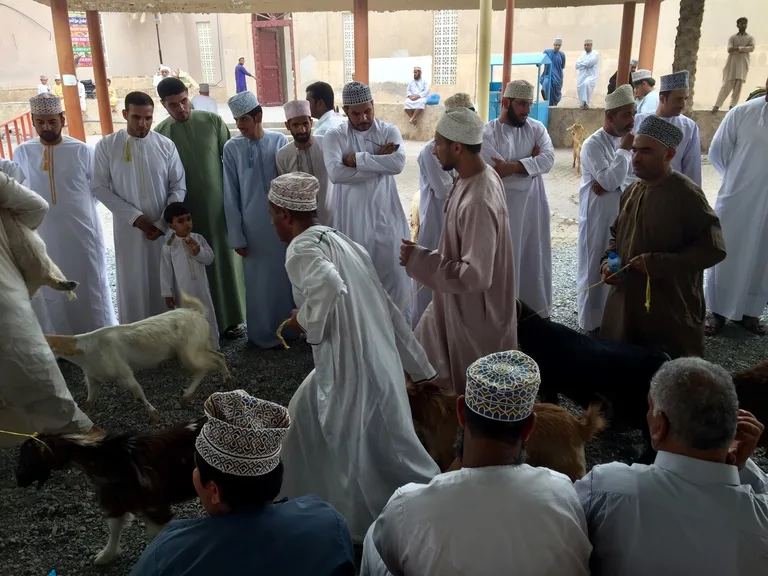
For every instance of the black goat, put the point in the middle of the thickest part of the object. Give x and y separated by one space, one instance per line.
141 473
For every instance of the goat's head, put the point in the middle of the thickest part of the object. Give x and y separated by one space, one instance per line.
37 458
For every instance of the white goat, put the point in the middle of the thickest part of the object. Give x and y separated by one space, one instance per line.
29 253
114 353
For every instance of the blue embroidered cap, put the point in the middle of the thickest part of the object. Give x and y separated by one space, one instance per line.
503 386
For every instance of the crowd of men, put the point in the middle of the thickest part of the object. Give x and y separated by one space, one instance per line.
313 231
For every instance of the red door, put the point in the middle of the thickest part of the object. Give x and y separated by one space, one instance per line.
269 82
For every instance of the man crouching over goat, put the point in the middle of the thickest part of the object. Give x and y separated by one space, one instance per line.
33 394
238 474
114 353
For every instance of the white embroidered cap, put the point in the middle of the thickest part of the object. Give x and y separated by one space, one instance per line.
295 191
45 103
558 41
204 87
588 41
417 68
461 125
503 386
243 435
57 77
641 74
356 93
296 108
242 103
675 81
521 89
460 100
659 129
622 96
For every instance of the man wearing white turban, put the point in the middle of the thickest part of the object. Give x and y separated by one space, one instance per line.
606 165
472 272
352 441
520 150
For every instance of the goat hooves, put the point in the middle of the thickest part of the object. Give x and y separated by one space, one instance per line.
154 417
88 405
106 556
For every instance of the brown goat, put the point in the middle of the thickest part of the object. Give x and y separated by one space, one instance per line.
579 135
752 388
137 473
557 441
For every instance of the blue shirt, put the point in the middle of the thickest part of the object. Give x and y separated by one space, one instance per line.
300 537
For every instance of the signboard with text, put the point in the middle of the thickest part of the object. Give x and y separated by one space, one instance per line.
81 42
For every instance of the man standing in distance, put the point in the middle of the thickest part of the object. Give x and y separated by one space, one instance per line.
740 46
240 74
520 150
472 273
305 153
606 171
362 159
321 105
555 88
200 137
137 173
672 98
588 66
60 169
669 234
203 100
249 168
738 287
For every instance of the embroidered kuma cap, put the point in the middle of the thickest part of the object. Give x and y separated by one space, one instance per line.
204 88
460 100
296 108
659 129
356 93
295 191
242 103
503 386
461 125
45 103
641 75
622 96
588 41
243 435
520 89
675 81
633 62
558 41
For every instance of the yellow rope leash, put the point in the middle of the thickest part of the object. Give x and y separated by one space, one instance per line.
647 293
33 435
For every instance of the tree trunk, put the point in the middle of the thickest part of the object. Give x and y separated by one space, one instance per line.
687 42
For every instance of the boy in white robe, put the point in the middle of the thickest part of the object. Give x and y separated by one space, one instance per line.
588 67
137 173
520 150
182 268
352 440
59 168
673 95
362 158
606 171
496 514
737 288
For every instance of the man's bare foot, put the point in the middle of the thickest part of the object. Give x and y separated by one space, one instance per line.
714 324
753 325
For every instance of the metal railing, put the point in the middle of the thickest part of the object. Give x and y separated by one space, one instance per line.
20 129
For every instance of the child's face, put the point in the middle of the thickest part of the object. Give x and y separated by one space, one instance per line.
182 225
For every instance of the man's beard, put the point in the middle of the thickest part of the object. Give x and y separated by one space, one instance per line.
458 448
514 119
49 136
301 138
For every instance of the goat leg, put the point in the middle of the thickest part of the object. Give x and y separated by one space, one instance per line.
156 519
112 548
129 382
93 387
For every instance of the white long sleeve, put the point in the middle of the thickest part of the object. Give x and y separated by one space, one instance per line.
610 173
543 163
166 273
333 157
102 185
724 143
232 210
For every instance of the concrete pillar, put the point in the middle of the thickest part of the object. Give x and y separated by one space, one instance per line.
484 58
66 57
99 72
360 15
625 44
509 22
649 33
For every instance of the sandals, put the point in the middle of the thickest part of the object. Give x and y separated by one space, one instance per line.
233 332
753 325
714 324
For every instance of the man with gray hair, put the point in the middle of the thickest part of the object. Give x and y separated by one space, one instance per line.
702 507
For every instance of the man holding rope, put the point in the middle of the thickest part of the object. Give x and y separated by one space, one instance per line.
666 235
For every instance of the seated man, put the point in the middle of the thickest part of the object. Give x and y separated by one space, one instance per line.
352 442
416 96
238 475
496 515
702 507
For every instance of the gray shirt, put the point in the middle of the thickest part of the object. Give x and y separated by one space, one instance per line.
678 516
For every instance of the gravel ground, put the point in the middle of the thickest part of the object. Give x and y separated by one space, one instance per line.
61 527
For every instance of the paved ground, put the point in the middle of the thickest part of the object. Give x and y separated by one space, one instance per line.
60 527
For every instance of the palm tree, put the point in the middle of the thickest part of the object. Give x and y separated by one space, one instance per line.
687 42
